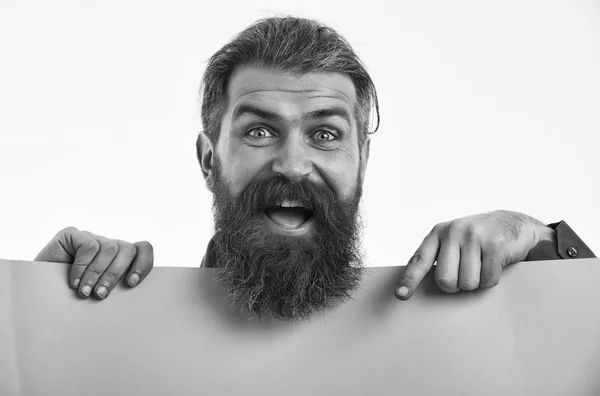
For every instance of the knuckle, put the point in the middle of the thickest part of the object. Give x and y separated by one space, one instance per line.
68 230
110 247
131 250
145 245
79 266
446 284
109 279
128 248
418 257
437 229
456 226
94 273
492 263
91 245
488 284
489 278
468 285
474 231
94 236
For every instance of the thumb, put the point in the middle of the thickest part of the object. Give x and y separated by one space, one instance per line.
68 244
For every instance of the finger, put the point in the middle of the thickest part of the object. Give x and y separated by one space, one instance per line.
108 251
418 266
85 250
143 263
470 266
491 269
116 270
448 262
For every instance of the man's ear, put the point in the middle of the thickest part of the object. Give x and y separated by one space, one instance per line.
205 153
364 157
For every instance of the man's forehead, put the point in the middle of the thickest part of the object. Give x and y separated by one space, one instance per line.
253 82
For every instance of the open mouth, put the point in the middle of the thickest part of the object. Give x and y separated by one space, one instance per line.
289 214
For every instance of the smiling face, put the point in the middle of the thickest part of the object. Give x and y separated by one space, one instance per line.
287 172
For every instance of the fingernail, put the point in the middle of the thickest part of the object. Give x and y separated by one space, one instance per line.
101 291
86 290
401 292
76 282
133 279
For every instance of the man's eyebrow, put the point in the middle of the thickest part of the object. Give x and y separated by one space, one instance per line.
335 111
249 109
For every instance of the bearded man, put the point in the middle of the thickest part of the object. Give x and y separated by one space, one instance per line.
286 109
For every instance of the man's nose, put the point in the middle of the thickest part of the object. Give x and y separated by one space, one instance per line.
292 161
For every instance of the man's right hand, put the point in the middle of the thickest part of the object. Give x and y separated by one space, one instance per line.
98 263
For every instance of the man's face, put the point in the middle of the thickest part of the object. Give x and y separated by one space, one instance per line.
301 132
287 174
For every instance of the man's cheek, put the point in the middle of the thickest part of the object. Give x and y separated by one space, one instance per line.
241 172
237 180
345 188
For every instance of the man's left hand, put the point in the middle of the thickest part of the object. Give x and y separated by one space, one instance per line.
472 251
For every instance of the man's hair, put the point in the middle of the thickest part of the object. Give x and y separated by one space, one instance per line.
286 44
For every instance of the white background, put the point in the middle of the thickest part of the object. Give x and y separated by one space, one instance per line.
484 105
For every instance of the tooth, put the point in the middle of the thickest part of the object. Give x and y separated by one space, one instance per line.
290 204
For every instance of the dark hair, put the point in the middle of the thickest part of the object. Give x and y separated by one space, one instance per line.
289 44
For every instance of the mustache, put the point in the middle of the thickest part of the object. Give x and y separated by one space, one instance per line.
262 194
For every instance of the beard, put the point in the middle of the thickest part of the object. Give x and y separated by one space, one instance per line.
282 276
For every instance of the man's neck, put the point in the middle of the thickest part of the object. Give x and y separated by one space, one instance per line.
208 259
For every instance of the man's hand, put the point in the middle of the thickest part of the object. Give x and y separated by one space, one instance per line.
99 263
472 251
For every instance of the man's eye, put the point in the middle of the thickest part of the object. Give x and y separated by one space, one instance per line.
260 133
325 136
